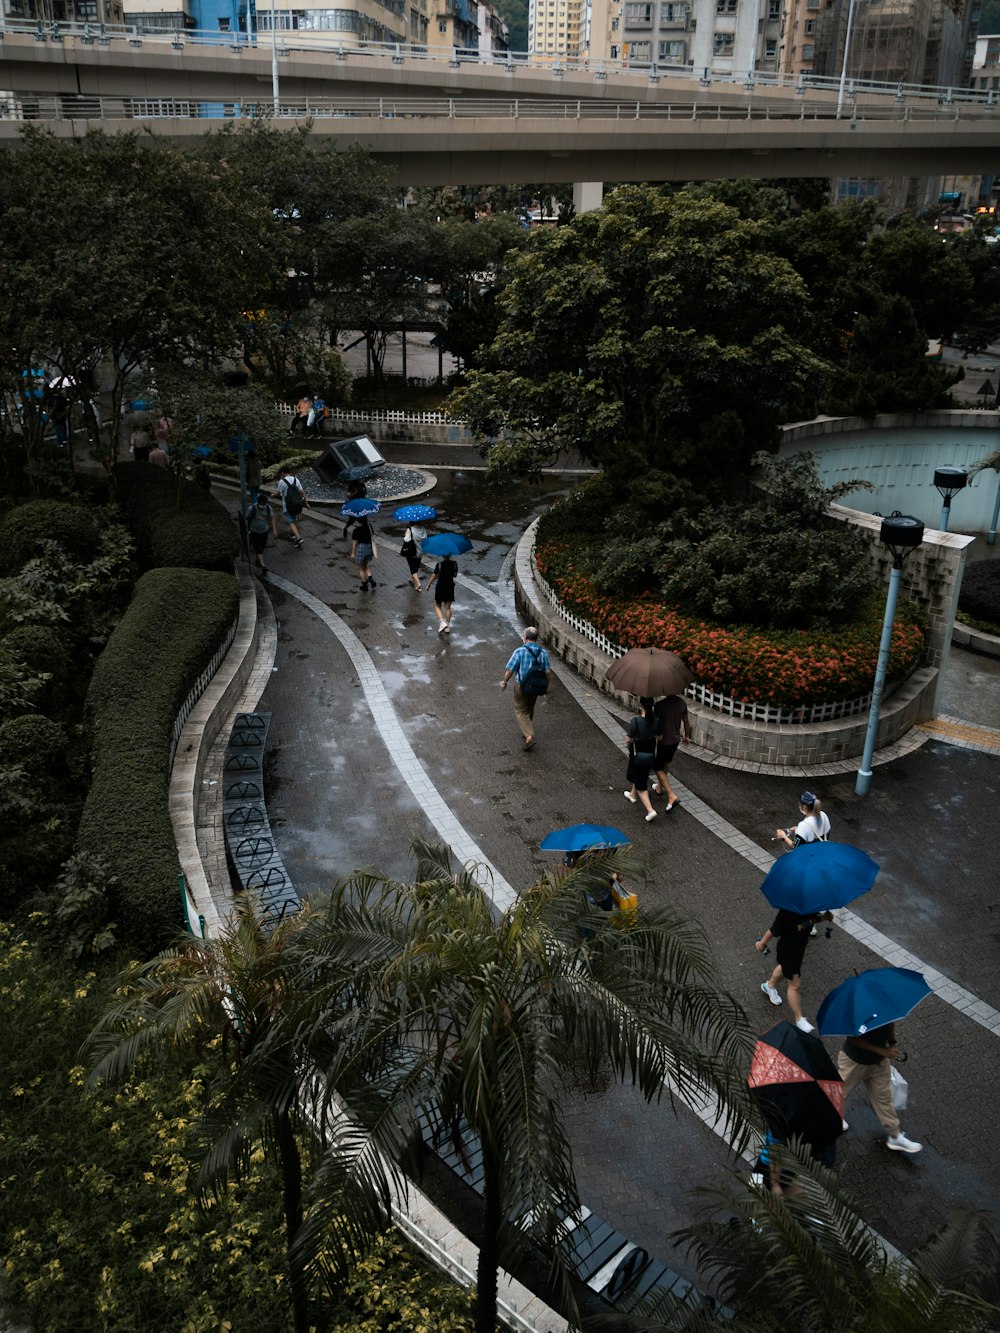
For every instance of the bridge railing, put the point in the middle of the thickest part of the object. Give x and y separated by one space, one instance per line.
83 106
344 46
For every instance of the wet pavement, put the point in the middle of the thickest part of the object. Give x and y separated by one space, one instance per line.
340 798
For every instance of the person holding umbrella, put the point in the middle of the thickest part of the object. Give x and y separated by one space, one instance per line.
643 734
791 930
448 545
864 1009
362 550
673 713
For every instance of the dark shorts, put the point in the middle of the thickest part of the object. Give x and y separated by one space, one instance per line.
638 774
790 952
414 562
664 754
258 542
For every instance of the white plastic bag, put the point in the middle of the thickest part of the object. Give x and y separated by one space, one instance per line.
900 1089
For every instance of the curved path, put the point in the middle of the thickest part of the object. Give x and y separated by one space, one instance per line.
385 731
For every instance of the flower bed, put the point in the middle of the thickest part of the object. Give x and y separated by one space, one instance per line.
785 668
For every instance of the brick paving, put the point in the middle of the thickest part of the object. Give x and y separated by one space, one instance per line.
383 730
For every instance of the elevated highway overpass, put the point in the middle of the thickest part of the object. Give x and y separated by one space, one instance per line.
465 121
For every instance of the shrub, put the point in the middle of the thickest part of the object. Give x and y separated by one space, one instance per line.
35 744
29 525
174 523
174 624
980 593
789 668
41 650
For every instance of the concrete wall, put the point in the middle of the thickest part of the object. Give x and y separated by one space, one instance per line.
898 452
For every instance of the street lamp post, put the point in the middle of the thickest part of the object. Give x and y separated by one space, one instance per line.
948 481
847 52
901 534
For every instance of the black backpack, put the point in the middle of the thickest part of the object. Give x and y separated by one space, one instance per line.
294 499
536 680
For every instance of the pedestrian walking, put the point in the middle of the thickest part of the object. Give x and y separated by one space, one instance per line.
260 523
363 551
314 418
814 826
158 456
868 1059
792 933
530 669
643 734
293 501
445 574
203 475
411 555
58 411
672 711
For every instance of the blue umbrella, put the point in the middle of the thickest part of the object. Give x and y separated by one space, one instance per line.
870 1000
414 513
447 543
818 876
582 837
362 508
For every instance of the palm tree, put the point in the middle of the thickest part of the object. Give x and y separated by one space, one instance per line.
486 1012
808 1261
252 988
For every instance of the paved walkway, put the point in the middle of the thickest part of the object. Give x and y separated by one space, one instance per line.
384 731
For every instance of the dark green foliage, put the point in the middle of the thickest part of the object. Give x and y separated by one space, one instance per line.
36 745
40 648
980 594
31 524
174 624
174 523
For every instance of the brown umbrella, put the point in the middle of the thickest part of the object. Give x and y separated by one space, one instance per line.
649 672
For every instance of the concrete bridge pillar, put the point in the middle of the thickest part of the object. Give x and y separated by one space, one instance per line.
587 195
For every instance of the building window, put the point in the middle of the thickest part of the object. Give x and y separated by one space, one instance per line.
614 25
722 43
725 6
442 27
671 12
770 48
808 51
638 15
774 9
640 51
671 53
810 27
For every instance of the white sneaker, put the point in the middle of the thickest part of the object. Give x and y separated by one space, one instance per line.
902 1144
804 1025
844 1126
655 787
770 992
651 815
447 629
441 627
629 797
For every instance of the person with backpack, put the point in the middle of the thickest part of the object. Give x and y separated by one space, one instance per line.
293 501
643 733
814 826
530 669
260 523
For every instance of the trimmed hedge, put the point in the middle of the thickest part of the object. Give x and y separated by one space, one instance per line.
42 648
174 523
73 527
176 621
788 668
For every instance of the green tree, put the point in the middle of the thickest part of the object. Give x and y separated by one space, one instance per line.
244 993
116 280
806 1259
630 333
485 1012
